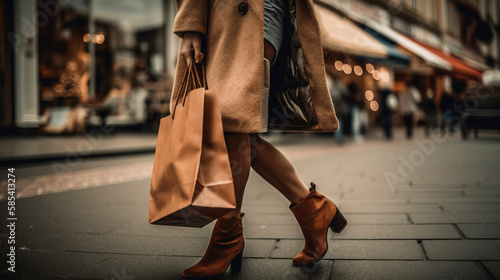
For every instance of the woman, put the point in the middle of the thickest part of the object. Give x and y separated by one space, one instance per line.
240 37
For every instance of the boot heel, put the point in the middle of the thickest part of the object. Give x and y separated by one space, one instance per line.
236 262
338 222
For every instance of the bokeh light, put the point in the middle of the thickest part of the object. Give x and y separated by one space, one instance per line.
99 38
369 95
86 37
369 68
358 70
347 69
339 65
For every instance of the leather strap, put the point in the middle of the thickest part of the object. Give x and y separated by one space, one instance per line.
190 81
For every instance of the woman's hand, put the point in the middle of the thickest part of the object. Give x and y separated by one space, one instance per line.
191 42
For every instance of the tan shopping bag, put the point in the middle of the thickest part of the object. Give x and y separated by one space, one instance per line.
191 183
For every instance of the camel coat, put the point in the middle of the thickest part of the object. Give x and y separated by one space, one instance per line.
234 51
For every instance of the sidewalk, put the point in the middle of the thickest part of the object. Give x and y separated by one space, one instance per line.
102 142
25 149
423 209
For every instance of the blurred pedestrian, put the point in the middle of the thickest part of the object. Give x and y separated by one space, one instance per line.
357 104
430 112
340 95
388 103
408 101
446 106
243 38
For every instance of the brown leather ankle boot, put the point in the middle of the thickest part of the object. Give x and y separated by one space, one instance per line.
226 247
315 213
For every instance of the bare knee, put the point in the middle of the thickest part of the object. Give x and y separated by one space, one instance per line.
237 142
238 149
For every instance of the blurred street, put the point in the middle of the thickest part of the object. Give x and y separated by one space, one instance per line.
426 208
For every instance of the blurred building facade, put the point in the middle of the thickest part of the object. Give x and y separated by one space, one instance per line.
443 45
116 58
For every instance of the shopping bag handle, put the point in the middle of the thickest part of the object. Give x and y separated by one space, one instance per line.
191 81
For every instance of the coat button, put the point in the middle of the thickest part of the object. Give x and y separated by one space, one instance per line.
243 8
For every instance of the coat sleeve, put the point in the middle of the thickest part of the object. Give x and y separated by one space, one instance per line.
191 17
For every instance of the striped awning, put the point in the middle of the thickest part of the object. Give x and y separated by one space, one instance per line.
342 35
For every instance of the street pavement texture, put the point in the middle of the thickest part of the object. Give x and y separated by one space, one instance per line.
417 209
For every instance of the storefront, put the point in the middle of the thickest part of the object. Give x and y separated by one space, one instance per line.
359 61
110 59
413 54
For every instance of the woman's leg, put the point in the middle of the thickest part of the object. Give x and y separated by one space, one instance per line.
314 212
227 242
271 164
276 169
238 148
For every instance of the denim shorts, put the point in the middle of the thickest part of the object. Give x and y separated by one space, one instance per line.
274 15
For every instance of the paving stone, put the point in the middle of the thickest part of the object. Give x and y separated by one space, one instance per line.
409 191
266 209
182 246
90 242
195 247
448 200
371 209
258 248
488 192
455 208
39 264
162 267
138 267
493 267
273 231
354 189
376 219
425 185
63 224
280 269
437 180
269 219
480 230
454 218
398 232
403 270
355 249
481 250
145 229
22 276
393 201
375 196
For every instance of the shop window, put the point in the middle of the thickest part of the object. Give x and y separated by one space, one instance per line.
107 57
63 63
